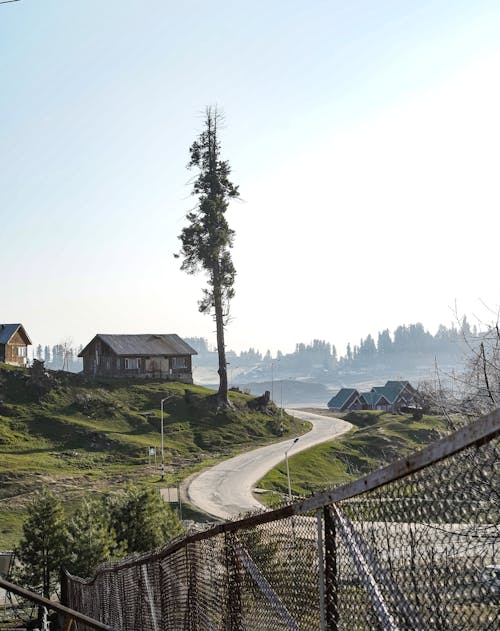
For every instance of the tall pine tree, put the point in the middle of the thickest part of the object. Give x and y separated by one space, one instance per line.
207 240
43 548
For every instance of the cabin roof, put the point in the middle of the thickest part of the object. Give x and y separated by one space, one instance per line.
398 385
391 394
341 398
374 398
8 330
149 344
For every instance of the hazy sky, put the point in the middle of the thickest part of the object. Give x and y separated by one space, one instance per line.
364 136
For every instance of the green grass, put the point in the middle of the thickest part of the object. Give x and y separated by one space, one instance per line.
376 439
11 523
84 435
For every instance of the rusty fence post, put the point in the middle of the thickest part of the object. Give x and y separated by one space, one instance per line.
65 621
234 587
331 573
191 620
321 569
63 581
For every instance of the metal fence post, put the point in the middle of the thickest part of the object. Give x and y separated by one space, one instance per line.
65 621
331 580
233 569
321 567
191 619
63 581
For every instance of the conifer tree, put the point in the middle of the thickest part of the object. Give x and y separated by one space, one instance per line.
91 538
43 548
142 520
207 240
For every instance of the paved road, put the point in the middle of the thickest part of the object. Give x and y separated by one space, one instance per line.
225 491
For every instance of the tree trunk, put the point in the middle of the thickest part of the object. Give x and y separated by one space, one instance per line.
218 302
221 347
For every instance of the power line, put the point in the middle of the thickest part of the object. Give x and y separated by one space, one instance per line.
8 1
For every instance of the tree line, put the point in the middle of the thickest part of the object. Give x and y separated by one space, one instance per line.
406 343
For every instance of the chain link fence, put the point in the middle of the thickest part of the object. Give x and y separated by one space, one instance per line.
412 546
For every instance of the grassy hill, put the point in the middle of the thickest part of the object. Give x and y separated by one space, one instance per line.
376 439
79 435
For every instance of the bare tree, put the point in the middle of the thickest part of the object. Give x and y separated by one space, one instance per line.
67 352
476 390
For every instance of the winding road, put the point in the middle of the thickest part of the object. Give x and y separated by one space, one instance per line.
225 490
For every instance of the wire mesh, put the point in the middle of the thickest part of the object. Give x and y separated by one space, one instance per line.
418 552
422 552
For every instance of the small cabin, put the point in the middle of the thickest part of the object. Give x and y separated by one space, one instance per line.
14 342
161 356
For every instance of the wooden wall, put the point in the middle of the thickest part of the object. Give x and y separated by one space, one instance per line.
13 350
100 360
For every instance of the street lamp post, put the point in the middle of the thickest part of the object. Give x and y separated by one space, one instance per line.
272 381
162 441
288 470
231 370
281 408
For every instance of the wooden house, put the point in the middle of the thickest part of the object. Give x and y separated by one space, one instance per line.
164 356
14 342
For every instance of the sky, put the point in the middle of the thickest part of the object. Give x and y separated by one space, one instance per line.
364 137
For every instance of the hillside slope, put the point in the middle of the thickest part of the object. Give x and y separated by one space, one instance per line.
76 435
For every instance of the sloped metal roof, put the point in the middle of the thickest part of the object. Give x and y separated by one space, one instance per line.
148 344
341 398
389 393
8 330
398 385
373 398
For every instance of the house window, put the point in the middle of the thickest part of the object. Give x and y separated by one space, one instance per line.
179 362
21 350
131 363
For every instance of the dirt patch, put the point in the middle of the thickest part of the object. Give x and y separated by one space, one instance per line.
67 488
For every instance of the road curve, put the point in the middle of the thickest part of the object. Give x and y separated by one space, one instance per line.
225 490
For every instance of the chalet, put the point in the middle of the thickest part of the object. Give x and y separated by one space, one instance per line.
345 400
374 401
14 342
399 394
389 398
164 356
